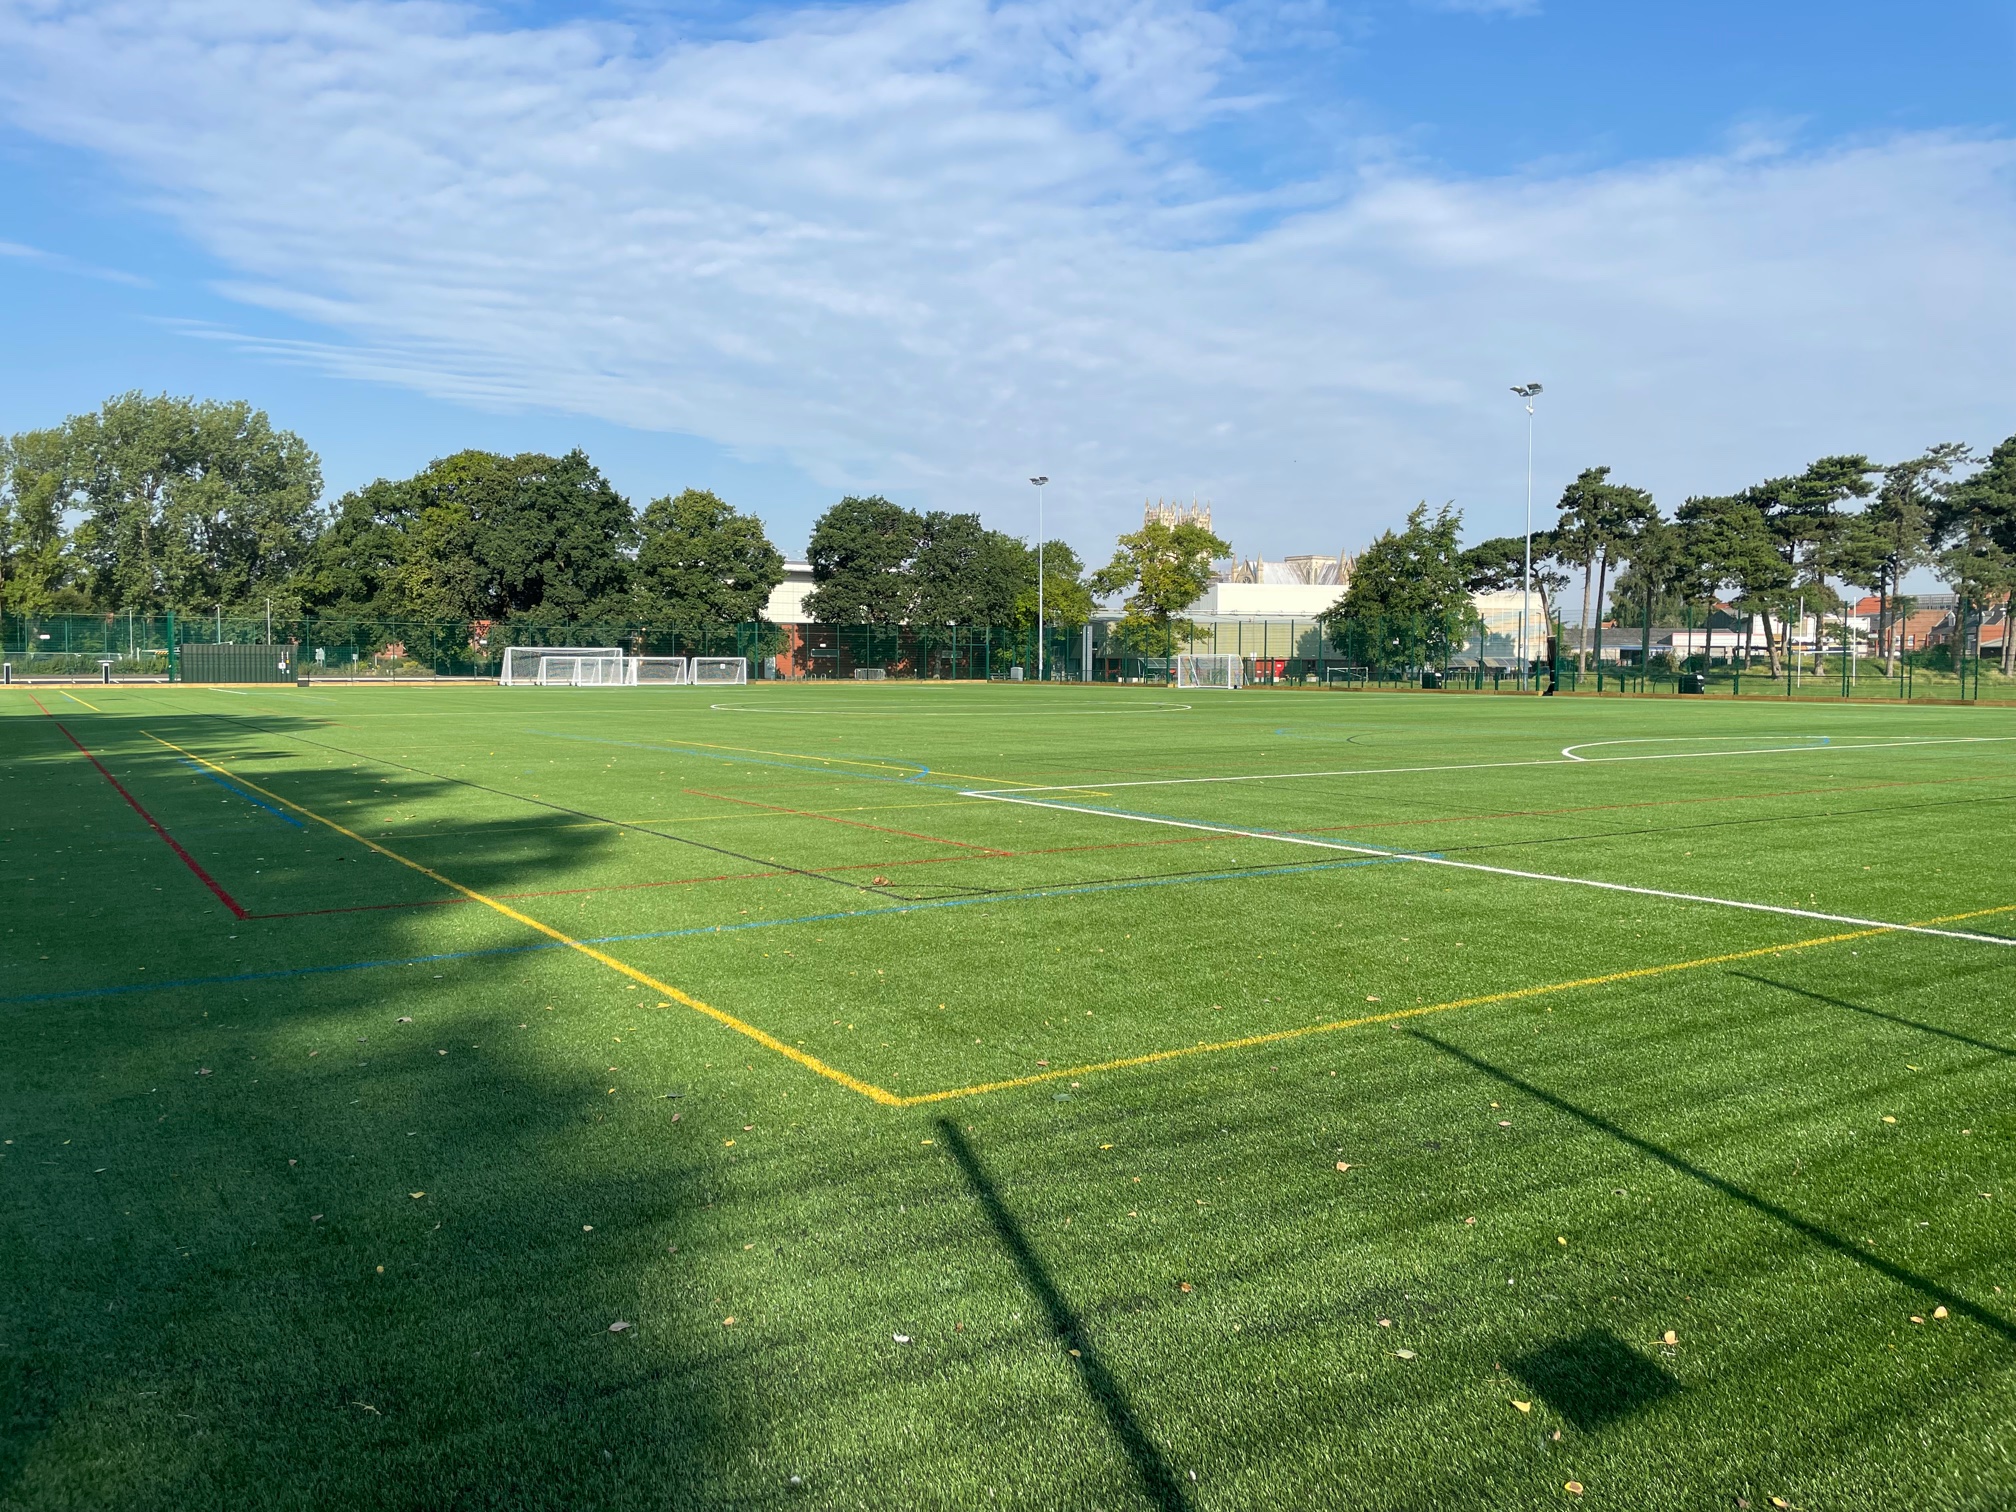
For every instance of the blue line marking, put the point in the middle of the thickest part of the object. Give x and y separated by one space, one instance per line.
702 929
229 787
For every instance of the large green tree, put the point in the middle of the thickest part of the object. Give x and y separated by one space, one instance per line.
1066 598
1408 591
356 565
703 563
188 503
1599 520
862 551
1975 523
1163 569
34 561
530 536
964 573
1730 547
1893 536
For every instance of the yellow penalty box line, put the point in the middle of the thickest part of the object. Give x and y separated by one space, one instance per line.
1517 994
728 1020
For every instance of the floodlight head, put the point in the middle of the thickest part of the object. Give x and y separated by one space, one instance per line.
1525 390
1039 482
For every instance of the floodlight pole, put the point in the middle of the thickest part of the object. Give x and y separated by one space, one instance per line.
1526 391
1039 482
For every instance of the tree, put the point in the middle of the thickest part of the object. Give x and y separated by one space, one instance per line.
964 573
355 565
1894 534
1975 521
1731 546
704 564
1499 564
187 502
1067 598
530 536
862 549
1410 583
1163 569
1804 517
1598 521
34 482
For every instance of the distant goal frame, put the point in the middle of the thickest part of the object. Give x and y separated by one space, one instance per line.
1216 672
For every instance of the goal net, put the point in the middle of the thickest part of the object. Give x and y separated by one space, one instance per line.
656 671
720 669
1208 672
522 663
580 671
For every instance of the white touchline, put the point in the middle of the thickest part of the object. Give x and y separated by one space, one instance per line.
1500 871
1480 766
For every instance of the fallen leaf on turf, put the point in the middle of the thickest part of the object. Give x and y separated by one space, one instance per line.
881 881
727 1322
1504 1123
1523 1406
618 1326
1385 1322
1183 1286
1779 1501
1074 1354
1888 1119
587 1228
1371 1000
1916 1319
1105 1147
748 1128
1555 1435
1560 1238
1404 1354
316 1219
1573 1488
405 1021
727 1142
1938 1312
1343 1165
204 1072
901 1338
1469 1223
416 1196
1669 1337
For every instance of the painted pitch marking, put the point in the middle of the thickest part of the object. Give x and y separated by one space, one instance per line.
728 1020
1500 871
1481 766
75 699
216 887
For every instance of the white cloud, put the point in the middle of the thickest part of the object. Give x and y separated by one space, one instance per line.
933 246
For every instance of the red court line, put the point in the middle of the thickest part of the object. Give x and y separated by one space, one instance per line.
173 844
880 829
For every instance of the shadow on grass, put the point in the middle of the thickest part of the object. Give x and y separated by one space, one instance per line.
384 1276
1594 1379
1821 997
1806 1229
1159 1485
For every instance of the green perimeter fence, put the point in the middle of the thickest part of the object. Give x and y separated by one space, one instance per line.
1352 655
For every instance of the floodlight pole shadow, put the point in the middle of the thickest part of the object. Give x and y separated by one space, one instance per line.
1889 1018
1763 1205
1159 1485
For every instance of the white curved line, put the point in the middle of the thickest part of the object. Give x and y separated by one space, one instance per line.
1590 745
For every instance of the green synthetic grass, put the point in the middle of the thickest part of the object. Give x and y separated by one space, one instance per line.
269 1244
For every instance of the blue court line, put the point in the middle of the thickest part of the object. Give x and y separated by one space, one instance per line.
231 787
701 929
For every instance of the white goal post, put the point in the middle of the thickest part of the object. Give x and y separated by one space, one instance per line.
656 671
521 663
1198 671
719 670
580 671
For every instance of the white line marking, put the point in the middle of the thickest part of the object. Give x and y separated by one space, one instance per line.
1501 871
1480 766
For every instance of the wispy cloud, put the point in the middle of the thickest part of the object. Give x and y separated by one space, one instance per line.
21 252
935 244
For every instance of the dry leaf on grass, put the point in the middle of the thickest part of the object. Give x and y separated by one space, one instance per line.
1403 1354
1573 1488
901 1338
416 1196
619 1326
1669 1337
1522 1406
1938 1312
1343 1165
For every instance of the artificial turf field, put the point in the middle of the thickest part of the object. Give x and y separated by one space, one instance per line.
371 1052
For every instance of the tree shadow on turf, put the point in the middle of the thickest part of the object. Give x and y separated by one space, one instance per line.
1594 1379
1805 1228
1158 1482
383 1276
1821 997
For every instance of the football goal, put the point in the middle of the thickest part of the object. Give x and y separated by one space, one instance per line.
1347 676
522 663
720 669
580 671
1222 672
656 671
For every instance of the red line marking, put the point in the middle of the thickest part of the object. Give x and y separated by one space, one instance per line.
880 829
154 824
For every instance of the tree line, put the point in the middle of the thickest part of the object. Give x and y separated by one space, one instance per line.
1843 522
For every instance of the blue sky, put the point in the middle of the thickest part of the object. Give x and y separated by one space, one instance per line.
1285 257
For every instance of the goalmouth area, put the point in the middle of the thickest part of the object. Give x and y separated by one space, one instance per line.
879 1095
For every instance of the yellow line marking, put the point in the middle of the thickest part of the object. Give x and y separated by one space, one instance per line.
767 1041
1515 995
702 745
75 699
